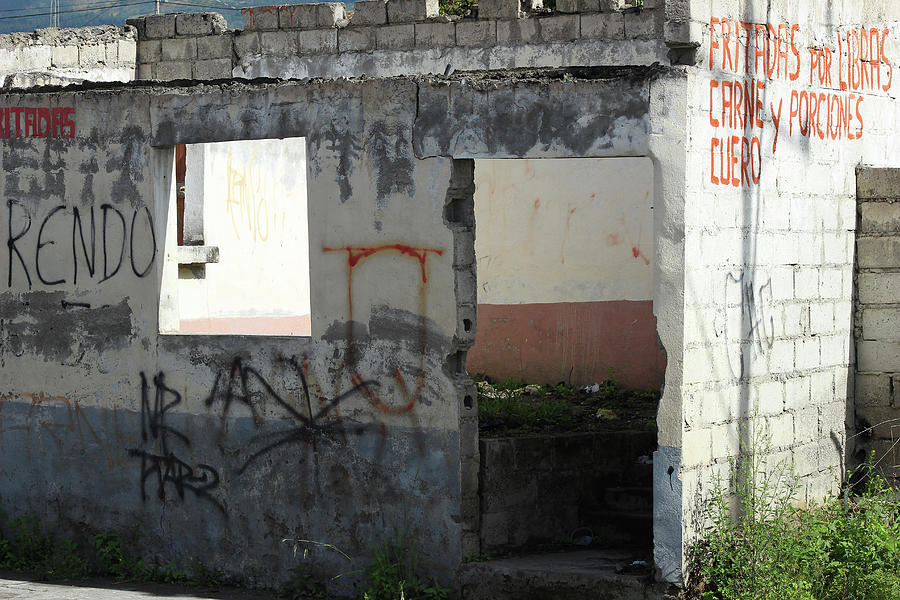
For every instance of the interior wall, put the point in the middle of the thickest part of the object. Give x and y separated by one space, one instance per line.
565 257
254 205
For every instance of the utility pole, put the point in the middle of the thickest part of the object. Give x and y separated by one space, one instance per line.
157 6
54 13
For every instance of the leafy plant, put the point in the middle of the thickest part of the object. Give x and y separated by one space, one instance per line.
393 572
31 548
474 557
458 8
110 556
69 561
204 576
762 547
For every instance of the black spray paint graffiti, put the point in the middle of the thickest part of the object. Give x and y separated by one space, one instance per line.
116 237
243 386
234 386
757 329
161 462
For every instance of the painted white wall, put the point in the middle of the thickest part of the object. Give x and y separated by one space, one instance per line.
564 230
255 211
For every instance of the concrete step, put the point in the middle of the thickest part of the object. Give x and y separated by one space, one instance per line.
572 575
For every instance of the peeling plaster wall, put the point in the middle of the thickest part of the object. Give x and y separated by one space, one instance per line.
220 446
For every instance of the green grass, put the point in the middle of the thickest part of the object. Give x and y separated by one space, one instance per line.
765 548
522 408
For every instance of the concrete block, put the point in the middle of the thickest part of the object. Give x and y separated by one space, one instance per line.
395 37
603 26
194 23
781 430
476 33
316 41
411 11
139 24
821 317
835 349
646 24
881 323
64 57
260 18
369 12
806 283
179 49
217 68
174 69
518 31
435 35
878 356
279 43
91 56
464 248
878 252
356 39
245 43
159 26
298 16
215 46
498 9
831 283
806 353
805 458
127 51
577 6
146 71
880 217
111 54
466 291
696 447
797 392
806 424
560 28
330 14
877 183
883 421
873 389
876 288
494 530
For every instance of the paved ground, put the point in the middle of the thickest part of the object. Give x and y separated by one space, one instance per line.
14 586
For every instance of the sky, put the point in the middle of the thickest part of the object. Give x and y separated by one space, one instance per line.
28 15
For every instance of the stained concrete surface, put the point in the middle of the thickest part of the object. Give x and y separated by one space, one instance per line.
14 586
596 574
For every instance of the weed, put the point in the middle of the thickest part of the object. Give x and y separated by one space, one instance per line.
204 576
110 556
393 572
31 547
303 585
475 557
456 7
68 562
838 549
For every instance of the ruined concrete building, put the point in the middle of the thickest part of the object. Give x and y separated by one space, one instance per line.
271 334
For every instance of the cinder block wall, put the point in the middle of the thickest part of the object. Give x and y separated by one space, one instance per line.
877 329
769 213
397 37
59 56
